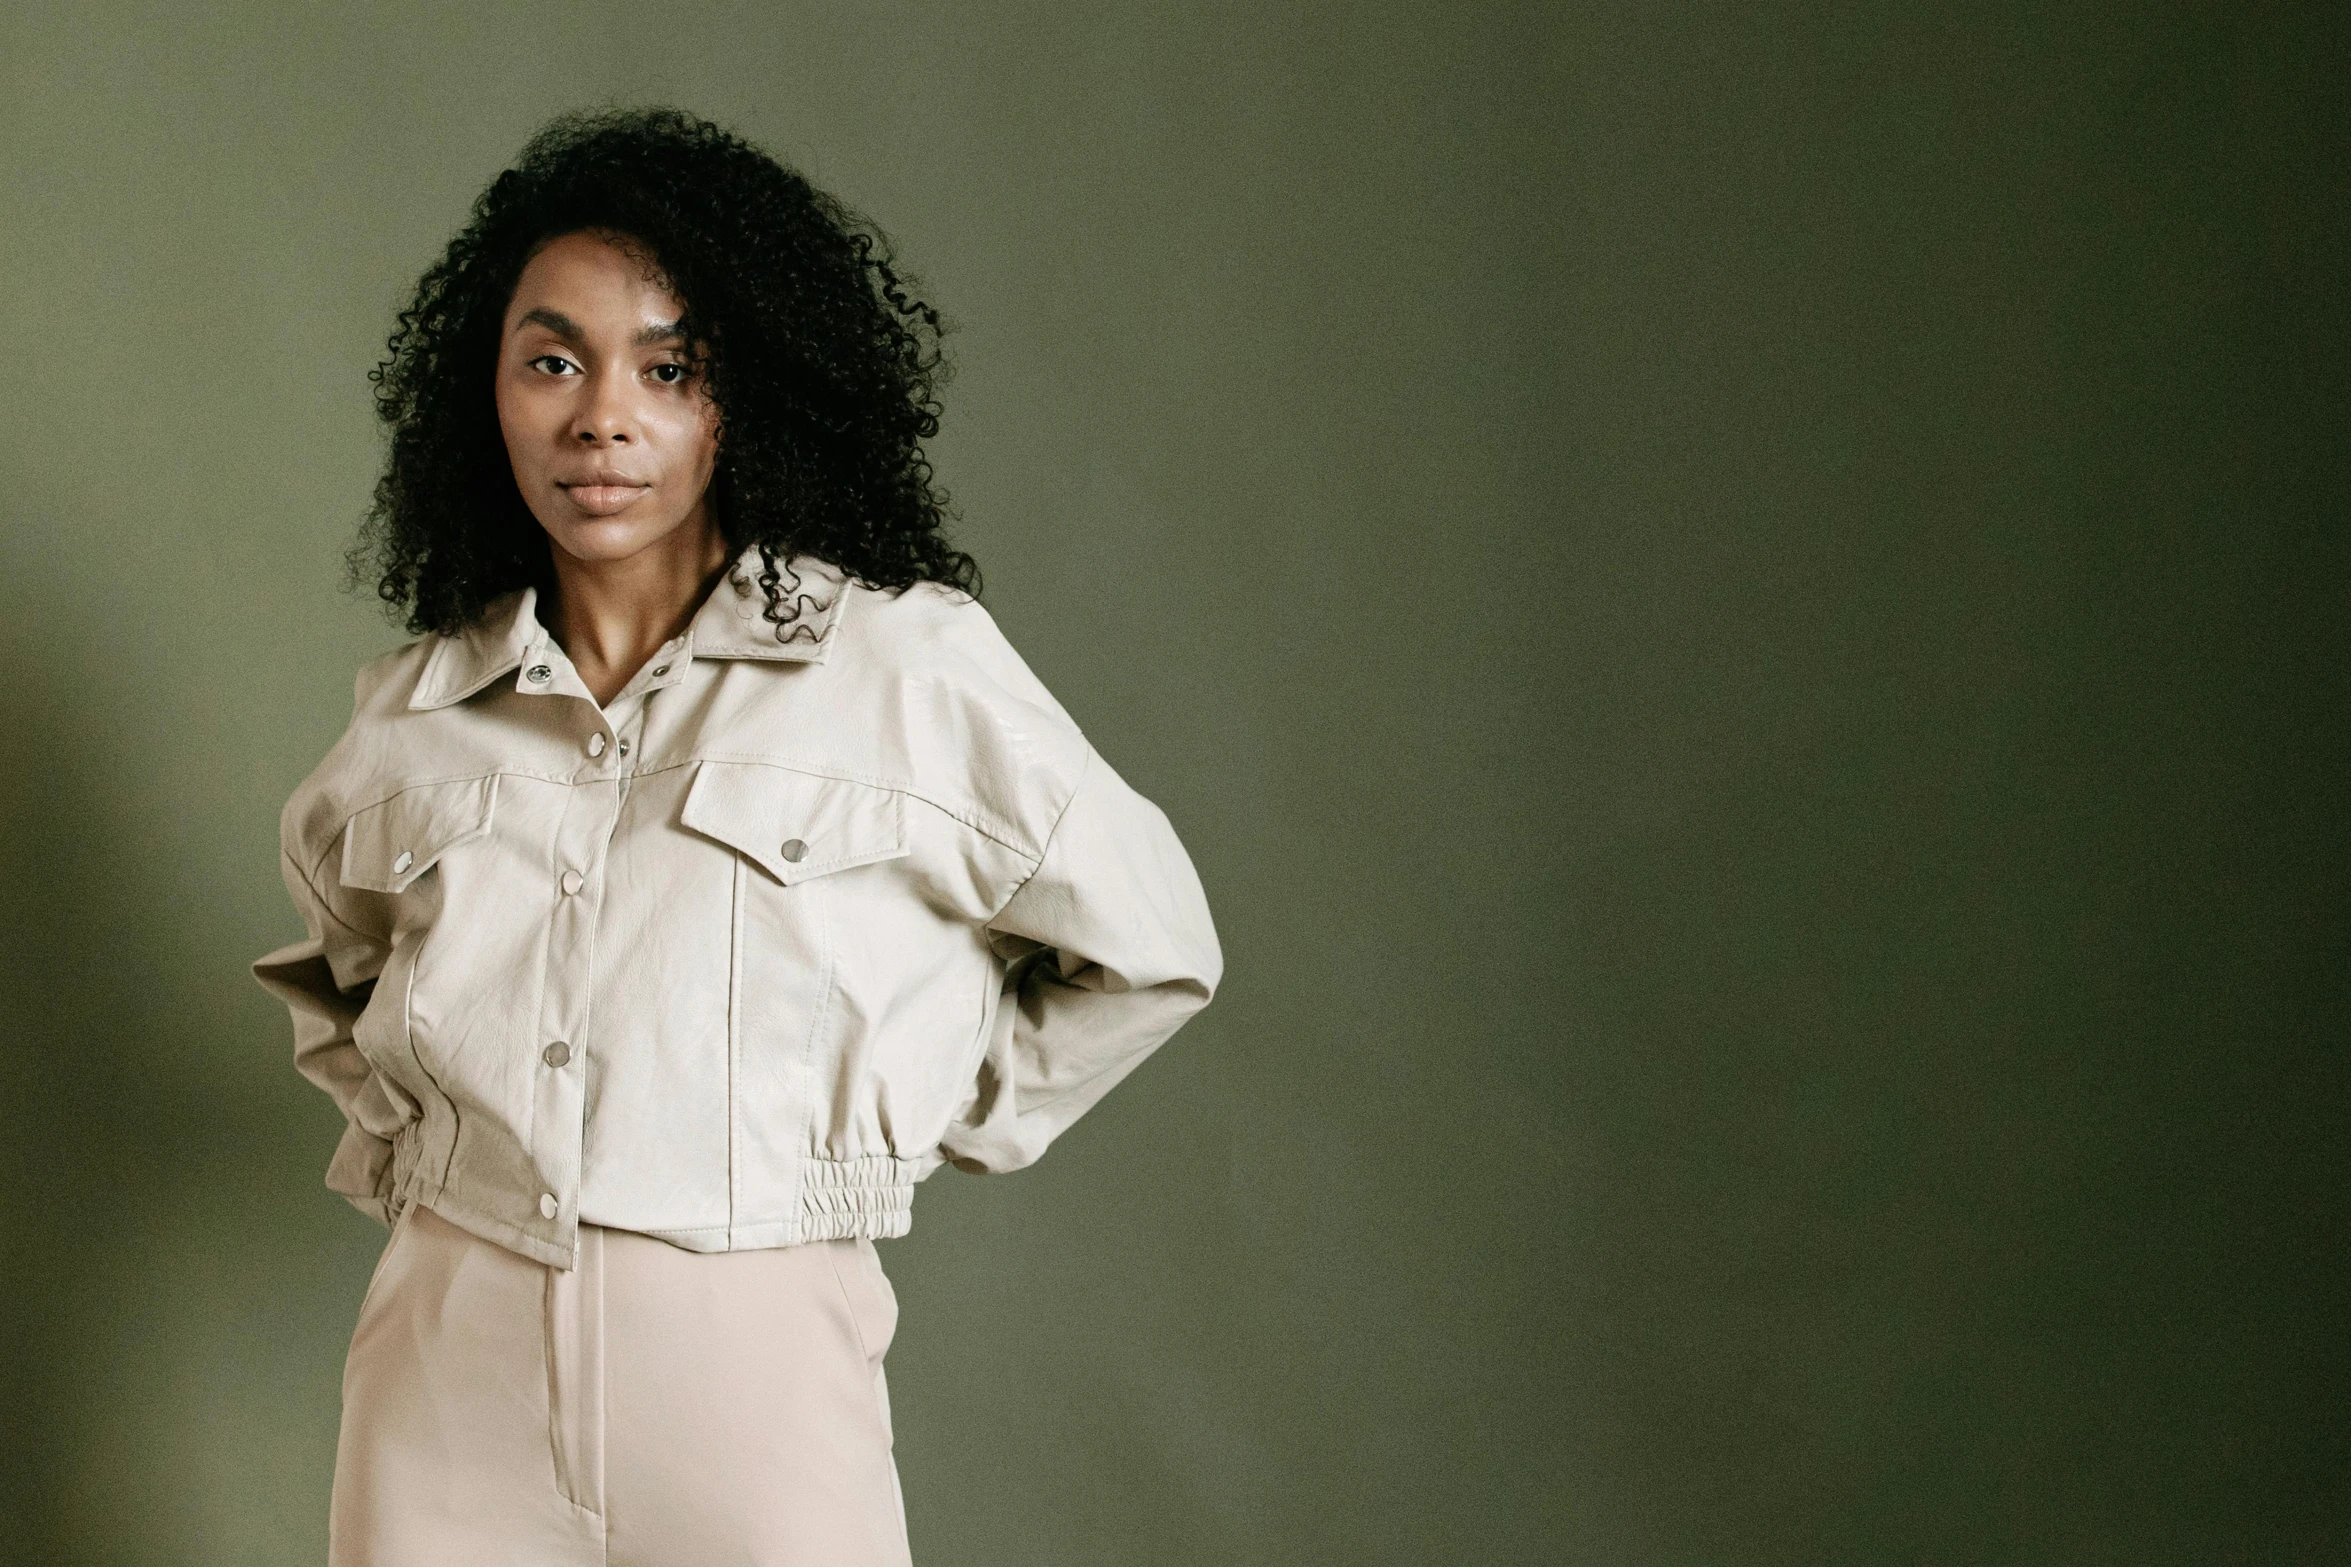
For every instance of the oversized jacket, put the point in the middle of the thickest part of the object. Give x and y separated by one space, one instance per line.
739 957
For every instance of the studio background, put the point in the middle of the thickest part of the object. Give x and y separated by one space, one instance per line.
1741 606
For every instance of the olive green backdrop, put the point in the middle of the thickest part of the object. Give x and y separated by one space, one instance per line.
1742 606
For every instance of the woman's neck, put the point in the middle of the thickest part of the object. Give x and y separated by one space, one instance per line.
610 616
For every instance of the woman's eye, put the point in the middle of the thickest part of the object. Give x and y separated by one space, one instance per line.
553 364
669 375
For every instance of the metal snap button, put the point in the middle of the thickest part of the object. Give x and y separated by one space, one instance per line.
572 882
794 850
595 745
660 671
556 1054
406 859
538 674
548 1205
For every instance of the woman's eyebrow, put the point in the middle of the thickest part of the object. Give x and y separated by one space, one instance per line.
553 320
564 326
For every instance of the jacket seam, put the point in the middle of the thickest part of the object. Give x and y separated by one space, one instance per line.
808 1069
348 812
310 882
994 832
1051 833
736 918
1034 858
986 827
408 1038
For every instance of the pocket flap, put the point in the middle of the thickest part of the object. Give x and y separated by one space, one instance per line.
795 825
390 844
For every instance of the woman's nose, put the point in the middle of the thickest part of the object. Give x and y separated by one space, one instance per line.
606 415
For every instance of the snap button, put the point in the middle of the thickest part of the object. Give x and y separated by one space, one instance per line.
406 859
595 745
547 1205
556 1054
538 674
660 670
572 882
624 748
794 850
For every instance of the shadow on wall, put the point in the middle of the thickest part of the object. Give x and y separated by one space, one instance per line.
171 1394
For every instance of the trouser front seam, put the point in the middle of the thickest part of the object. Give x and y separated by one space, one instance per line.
574 1334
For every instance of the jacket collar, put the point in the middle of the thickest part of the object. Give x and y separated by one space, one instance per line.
730 624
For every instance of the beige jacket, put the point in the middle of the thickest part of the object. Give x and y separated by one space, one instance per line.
738 959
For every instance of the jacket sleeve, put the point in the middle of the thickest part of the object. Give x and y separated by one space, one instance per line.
1108 949
325 980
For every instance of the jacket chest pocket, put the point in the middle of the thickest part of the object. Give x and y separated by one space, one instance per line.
794 826
390 844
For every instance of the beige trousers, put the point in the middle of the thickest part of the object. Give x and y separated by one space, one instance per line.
651 1407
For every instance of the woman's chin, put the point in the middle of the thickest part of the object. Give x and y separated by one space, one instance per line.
602 540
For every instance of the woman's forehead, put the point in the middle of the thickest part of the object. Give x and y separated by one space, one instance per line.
594 280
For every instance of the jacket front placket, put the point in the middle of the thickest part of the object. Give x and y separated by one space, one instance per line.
575 894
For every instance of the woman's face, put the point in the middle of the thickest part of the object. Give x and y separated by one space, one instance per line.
612 435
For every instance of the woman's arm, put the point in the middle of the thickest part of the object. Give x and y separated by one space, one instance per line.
325 981
1110 949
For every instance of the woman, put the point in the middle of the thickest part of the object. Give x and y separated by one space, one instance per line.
706 874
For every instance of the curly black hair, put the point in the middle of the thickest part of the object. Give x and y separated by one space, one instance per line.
825 369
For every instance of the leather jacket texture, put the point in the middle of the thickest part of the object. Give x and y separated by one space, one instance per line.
736 959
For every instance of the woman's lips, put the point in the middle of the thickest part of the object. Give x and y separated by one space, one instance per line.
602 500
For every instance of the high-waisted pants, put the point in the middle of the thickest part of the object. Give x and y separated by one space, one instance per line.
651 1407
